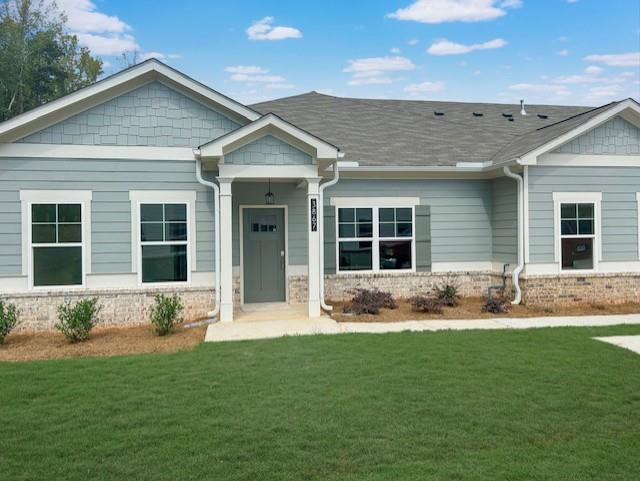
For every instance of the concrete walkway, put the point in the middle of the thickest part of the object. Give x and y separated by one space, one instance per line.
265 329
628 342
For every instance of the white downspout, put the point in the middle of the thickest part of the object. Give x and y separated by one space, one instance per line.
216 217
520 266
334 181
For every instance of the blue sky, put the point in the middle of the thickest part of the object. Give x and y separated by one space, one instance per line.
584 52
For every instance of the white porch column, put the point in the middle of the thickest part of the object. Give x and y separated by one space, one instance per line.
226 242
314 246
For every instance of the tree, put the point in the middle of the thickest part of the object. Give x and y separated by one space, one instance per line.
39 60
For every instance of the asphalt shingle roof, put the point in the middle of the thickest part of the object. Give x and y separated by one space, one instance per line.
409 133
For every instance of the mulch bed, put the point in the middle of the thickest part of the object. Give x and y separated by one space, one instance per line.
113 341
471 308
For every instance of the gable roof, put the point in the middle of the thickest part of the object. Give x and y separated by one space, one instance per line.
409 133
118 84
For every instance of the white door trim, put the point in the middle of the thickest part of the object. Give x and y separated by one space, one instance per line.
285 208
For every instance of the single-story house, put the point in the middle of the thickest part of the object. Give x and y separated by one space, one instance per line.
149 181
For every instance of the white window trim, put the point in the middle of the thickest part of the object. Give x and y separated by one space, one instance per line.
577 198
138 197
29 197
375 238
373 202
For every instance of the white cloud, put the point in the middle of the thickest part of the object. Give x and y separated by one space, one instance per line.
279 86
553 89
243 77
246 69
108 44
263 29
83 17
424 87
563 53
593 70
605 92
413 41
446 47
159 56
253 75
630 59
395 50
440 11
374 70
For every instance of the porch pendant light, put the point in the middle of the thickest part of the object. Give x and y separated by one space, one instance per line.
268 197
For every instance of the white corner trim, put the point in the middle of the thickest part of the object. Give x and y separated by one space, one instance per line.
342 202
115 152
138 197
589 160
578 198
525 180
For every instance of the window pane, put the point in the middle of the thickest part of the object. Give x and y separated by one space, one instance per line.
577 253
387 229
586 227
568 211
364 215
395 254
404 229
356 256
175 231
386 215
151 232
569 227
69 213
43 233
57 266
365 230
164 263
346 215
43 213
69 232
175 212
403 215
585 211
347 230
151 213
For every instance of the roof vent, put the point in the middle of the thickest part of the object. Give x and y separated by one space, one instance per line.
510 119
478 114
438 113
508 116
543 116
522 109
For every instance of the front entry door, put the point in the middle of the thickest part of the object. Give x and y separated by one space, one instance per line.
263 255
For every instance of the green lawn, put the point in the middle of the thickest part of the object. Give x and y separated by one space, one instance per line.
546 404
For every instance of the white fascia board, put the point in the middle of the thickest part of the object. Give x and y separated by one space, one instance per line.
138 75
244 171
589 160
216 147
626 105
65 151
374 201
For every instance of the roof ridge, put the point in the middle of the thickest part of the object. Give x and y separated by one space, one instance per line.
578 115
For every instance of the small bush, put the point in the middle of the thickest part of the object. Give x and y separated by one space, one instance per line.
447 294
425 304
367 301
77 320
496 305
165 314
8 319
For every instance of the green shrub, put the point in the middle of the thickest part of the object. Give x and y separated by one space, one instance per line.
425 304
367 301
8 319
165 314
77 320
447 294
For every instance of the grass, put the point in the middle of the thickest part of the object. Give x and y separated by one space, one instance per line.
544 404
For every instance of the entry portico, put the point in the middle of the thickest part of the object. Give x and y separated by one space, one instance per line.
268 156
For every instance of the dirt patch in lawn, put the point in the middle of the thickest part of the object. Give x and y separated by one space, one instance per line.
113 341
471 308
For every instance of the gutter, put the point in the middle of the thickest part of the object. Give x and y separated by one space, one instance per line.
216 207
520 266
334 181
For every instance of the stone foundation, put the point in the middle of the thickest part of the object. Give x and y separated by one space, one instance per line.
39 310
575 289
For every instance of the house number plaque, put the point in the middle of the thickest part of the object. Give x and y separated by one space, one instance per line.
314 215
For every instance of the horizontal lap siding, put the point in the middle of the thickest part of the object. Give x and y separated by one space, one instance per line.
252 193
619 207
110 181
460 212
505 220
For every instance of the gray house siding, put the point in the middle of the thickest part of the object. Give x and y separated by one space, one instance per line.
152 115
252 193
616 136
268 150
619 208
460 212
110 181
504 220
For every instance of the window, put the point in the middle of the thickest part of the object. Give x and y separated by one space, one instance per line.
577 230
164 236
375 238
